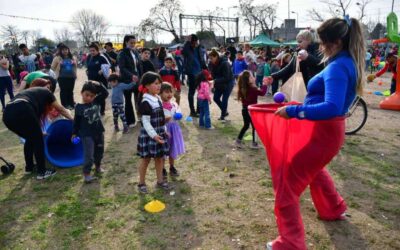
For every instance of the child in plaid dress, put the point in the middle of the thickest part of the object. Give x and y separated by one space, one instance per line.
153 138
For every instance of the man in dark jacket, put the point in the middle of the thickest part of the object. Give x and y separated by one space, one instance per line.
193 64
128 62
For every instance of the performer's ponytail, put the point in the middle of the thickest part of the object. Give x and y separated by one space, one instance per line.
350 32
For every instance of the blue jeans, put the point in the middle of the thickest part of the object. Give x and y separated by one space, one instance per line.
393 86
259 80
223 104
5 84
204 118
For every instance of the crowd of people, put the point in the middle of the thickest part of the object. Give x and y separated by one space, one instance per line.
146 86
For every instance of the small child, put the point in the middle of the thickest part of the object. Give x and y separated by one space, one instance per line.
117 101
89 127
260 71
203 98
239 65
275 82
248 93
175 140
170 75
153 138
251 65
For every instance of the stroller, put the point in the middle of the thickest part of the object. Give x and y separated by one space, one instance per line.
8 168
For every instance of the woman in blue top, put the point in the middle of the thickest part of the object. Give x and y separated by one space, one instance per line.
330 93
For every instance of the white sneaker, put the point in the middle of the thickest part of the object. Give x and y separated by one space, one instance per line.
46 175
269 246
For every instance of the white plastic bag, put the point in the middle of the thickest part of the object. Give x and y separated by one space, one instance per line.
294 88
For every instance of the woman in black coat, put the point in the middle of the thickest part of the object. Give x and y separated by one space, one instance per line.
128 63
309 56
221 72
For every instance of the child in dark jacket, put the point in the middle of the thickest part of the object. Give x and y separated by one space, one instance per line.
89 127
248 94
170 75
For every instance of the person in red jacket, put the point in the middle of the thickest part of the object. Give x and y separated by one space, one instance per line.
170 75
391 64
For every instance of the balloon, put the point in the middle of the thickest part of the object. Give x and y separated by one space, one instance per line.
279 97
76 140
178 116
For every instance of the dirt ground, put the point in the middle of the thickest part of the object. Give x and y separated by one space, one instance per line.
223 198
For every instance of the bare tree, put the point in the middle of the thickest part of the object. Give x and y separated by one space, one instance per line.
163 18
265 14
258 17
316 15
11 34
63 34
361 6
337 8
35 35
25 34
247 10
89 25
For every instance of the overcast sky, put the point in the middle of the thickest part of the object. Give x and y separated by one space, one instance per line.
130 12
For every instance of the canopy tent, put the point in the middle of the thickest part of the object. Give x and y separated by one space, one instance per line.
291 43
263 40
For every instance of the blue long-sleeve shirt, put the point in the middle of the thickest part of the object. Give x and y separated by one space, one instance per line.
239 66
118 92
331 92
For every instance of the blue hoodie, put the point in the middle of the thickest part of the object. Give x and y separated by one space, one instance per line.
239 65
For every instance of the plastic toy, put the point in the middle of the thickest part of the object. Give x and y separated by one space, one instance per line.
154 206
58 148
178 116
392 102
76 140
279 97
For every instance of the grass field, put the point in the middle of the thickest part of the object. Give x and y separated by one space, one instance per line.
223 198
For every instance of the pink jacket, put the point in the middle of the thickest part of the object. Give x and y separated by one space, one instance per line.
203 92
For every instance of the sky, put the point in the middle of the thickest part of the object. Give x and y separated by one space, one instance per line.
131 12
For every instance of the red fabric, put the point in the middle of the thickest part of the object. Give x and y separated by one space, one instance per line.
388 66
172 80
207 75
298 151
142 89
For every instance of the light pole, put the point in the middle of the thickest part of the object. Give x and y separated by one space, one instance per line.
297 18
229 23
